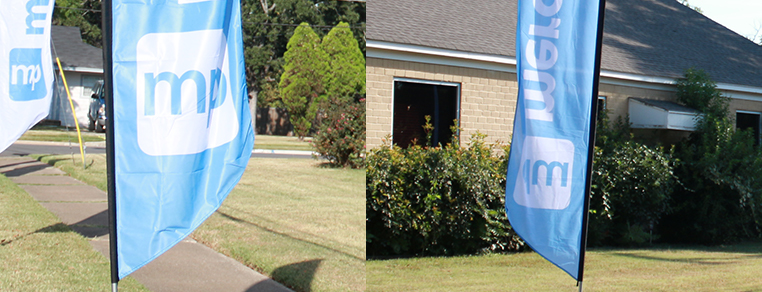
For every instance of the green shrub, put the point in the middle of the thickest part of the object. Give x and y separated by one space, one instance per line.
341 135
632 185
698 91
720 172
440 200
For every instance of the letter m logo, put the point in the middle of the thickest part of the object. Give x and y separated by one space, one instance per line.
544 180
27 81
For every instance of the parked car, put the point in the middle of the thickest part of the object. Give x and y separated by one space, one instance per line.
97 112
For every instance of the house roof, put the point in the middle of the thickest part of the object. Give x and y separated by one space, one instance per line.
667 105
73 53
658 38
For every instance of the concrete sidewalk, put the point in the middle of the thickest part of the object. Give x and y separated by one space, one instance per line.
188 266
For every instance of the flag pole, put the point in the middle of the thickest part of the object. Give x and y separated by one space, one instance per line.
110 155
591 145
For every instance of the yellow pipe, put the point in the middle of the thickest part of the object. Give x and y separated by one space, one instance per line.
73 112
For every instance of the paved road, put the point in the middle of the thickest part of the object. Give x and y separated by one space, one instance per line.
24 148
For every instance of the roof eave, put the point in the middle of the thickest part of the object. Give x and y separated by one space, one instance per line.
422 54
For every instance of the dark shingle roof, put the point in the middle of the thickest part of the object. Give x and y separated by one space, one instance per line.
658 38
72 51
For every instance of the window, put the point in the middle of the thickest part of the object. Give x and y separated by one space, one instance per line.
416 99
601 107
749 120
87 84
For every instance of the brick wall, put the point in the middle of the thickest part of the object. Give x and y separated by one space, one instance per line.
487 98
617 97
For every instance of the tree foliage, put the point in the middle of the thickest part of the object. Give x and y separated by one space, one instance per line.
720 170
301 85
84 14
268 26
697 90
346 64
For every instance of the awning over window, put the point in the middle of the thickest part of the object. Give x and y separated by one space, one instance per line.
658 114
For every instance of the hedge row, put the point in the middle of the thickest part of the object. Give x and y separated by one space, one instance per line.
450 200
436 200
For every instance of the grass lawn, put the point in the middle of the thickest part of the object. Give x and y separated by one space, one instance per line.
726 268
60 134
39 253
282 143
301 224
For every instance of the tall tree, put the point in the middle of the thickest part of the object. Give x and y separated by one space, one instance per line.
346 64
301 85
269 24
85 14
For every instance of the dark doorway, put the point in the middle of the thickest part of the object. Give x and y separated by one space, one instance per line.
749 121
413 101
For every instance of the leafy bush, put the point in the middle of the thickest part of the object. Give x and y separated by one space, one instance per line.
341 136
440 200
720 170
721 173
632 185
698 91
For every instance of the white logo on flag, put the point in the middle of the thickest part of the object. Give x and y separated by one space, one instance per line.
184 104
544 180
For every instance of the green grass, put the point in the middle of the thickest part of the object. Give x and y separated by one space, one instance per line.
94 174
282 143
60 134
728 268
39 253
299 223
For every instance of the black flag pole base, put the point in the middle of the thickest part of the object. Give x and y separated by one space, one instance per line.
579 284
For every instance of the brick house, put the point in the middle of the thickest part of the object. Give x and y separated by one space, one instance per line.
456 60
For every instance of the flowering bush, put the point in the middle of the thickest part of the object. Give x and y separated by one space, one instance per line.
341 135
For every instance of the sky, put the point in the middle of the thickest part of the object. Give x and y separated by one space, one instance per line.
741 16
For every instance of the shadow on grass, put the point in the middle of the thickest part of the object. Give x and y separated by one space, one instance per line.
732 257
230 217
329 165
298 275
55 228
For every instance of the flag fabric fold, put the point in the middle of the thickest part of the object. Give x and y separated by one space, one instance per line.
26 66
183 133
547 168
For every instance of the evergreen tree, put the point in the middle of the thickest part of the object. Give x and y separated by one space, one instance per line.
346 65
268 26
302 82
